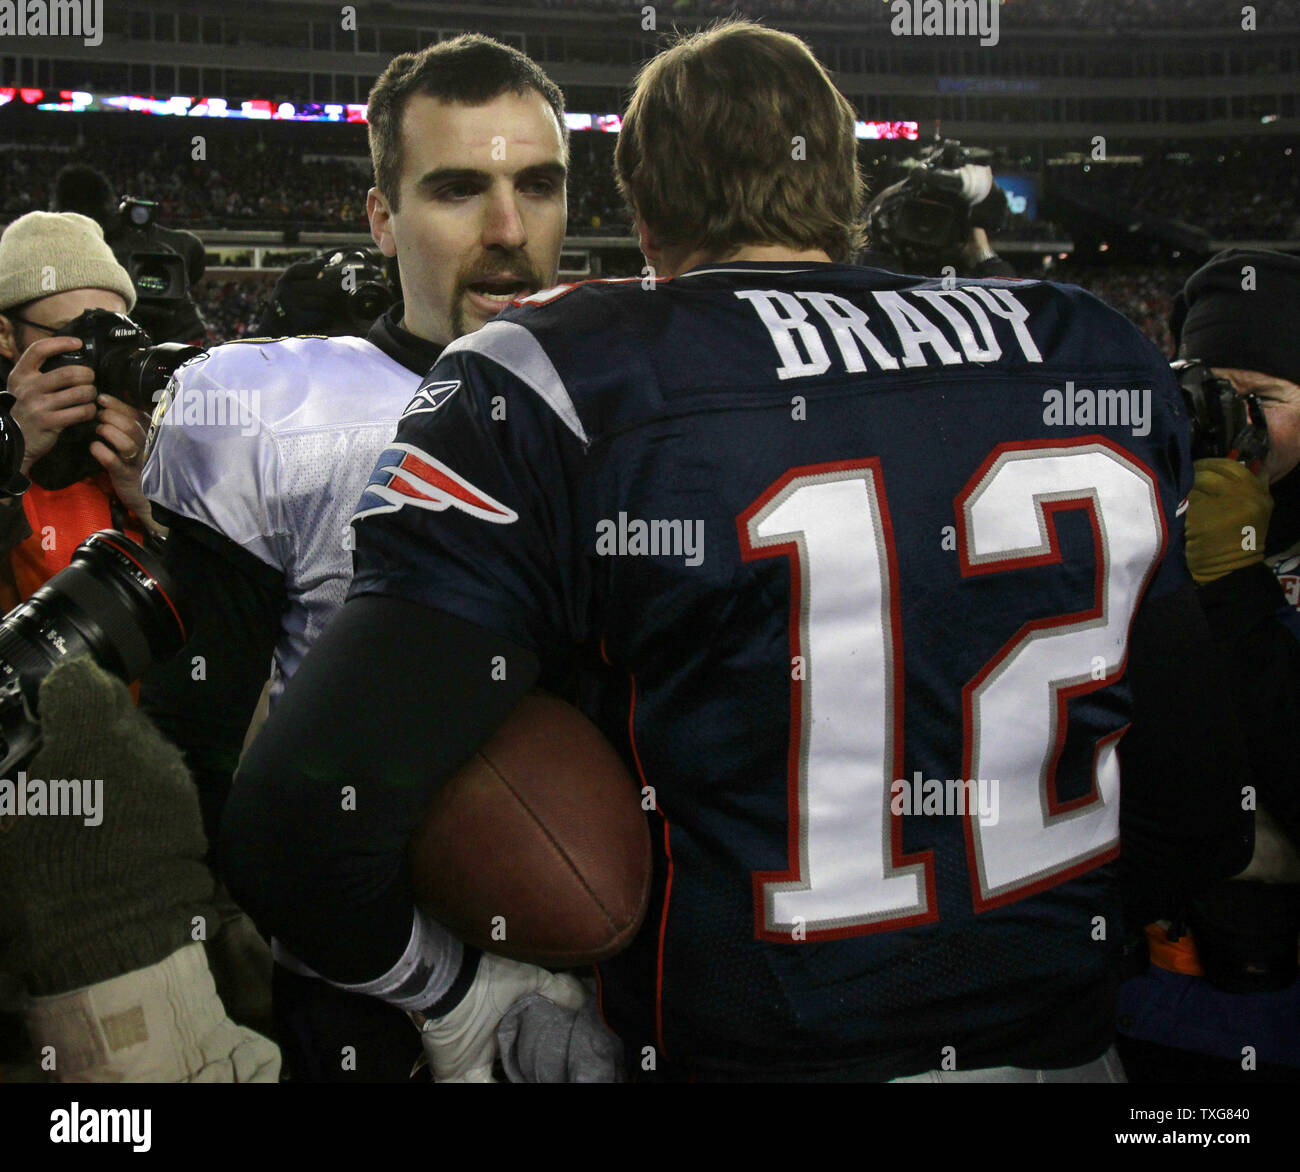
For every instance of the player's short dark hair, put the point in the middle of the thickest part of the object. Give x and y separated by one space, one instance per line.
471 69
82 188
736 135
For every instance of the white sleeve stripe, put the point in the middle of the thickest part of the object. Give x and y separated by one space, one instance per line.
511 346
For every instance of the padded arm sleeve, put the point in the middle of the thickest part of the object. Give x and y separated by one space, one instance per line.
388 704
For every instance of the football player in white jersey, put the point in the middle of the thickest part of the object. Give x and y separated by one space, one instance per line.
260 449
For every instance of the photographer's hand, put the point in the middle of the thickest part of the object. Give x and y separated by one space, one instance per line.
120 452
1228 511
48 402
977 249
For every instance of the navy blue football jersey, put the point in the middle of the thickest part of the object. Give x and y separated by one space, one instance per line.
844 562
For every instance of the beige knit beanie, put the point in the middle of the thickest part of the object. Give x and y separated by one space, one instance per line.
43 253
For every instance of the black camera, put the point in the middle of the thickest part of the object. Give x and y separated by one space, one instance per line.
1224 423
12 450
114 602
126 365
333 293
360 277
923 220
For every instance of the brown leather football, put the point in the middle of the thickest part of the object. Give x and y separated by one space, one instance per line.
538 849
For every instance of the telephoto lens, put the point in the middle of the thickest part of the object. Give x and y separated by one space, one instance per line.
115 602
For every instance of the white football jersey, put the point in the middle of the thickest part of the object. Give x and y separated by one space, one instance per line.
270 444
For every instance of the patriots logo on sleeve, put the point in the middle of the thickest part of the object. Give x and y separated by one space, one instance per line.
430 397
405 476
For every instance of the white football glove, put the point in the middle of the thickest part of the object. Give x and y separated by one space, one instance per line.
461 1046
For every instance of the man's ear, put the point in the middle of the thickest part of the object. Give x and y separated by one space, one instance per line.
8 339
381 222
648 243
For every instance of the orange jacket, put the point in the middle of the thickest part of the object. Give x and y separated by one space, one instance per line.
61 520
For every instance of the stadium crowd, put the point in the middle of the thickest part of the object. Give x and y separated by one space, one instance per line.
231 308
1144 295
1233 191
1247 191
263 185
258 185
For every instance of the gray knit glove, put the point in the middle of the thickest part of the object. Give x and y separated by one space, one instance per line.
95 901
540 1041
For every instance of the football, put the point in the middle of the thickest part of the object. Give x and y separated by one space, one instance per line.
538 849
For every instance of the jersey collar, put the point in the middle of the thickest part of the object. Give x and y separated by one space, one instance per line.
761 266
413 352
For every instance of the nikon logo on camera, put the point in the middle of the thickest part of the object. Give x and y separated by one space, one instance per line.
53 18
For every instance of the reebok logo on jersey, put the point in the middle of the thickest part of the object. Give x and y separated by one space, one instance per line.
405 475
430 397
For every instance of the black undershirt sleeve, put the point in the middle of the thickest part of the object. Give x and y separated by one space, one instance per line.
1262 659
203 698
392 699
1184 764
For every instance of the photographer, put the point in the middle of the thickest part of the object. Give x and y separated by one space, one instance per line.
84 447
1232 981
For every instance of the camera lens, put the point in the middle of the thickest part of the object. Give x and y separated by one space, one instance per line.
135 375
114 602
370 300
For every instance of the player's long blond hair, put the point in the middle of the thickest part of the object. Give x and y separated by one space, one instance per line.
736 135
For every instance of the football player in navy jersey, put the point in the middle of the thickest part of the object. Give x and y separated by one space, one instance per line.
847 564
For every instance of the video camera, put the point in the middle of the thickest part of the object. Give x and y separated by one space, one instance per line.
924 220
340 292
157 263
126 364
157 270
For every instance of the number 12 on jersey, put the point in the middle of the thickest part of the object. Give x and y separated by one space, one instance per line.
848 875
